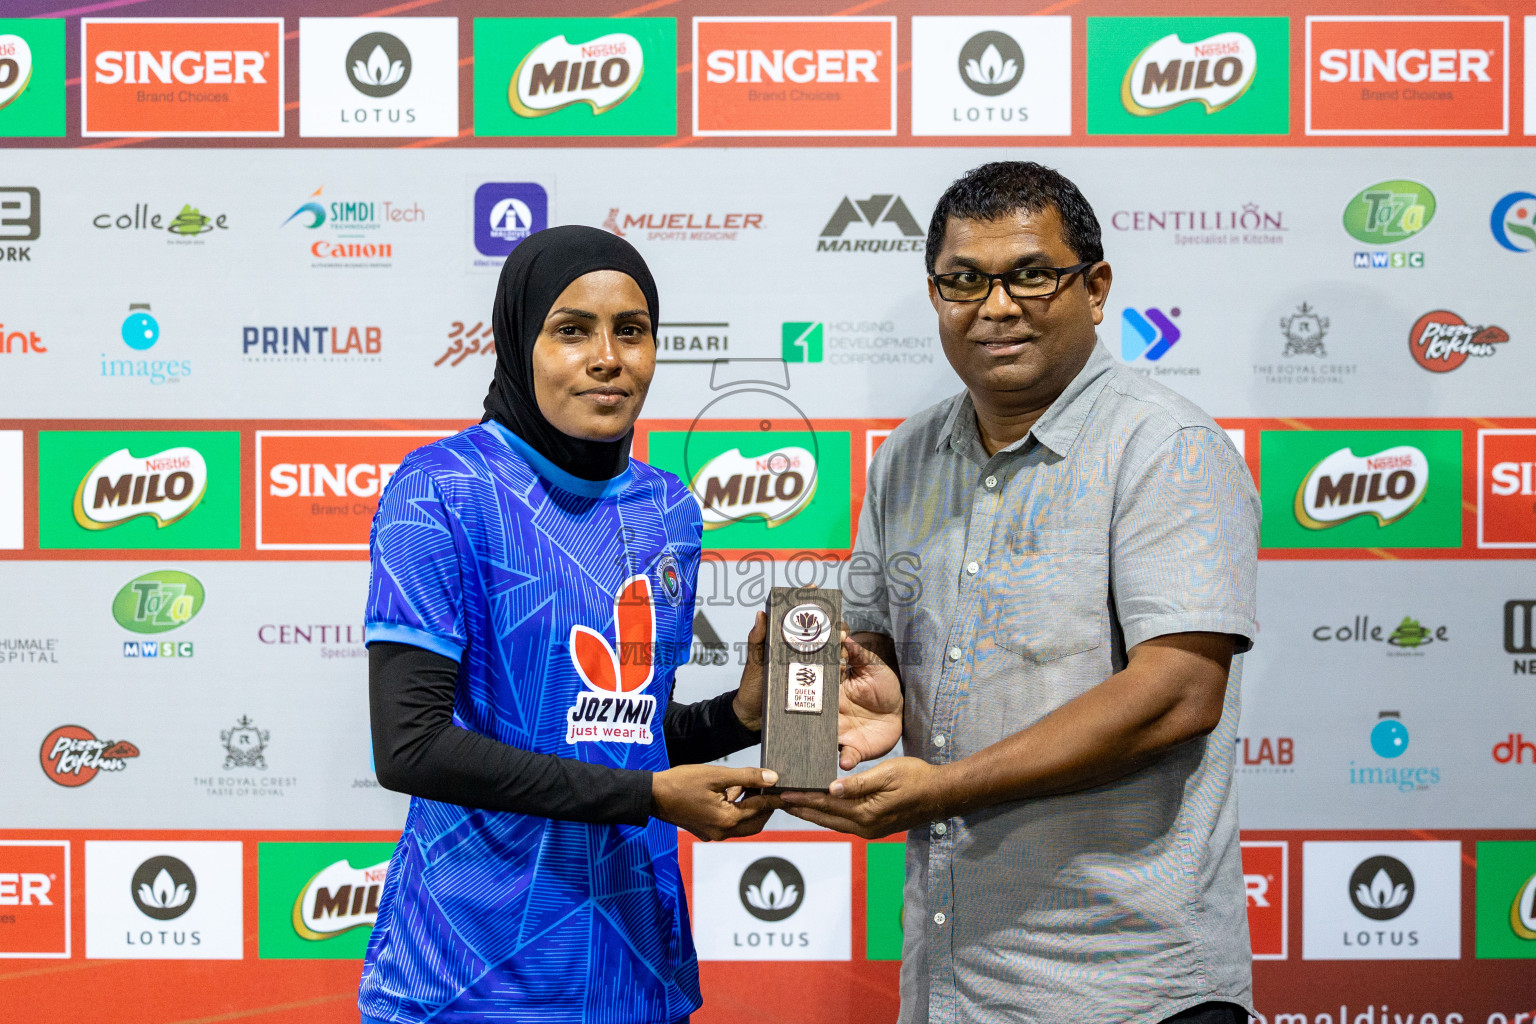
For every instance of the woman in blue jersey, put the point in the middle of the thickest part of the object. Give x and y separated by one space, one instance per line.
532 592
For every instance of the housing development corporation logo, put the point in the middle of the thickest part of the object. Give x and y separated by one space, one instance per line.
319 900
882 215
1383 75
71 755
991 75
1387 213
1513 222
794 76
1506 488
575 76
378 77
32 77
194 77
1188 76
1440 341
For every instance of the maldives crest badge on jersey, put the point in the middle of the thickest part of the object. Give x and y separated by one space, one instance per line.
670 575
613 708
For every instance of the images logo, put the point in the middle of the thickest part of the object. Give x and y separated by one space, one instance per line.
575 76
795 76
34 898
1177 76
164 486
614 710
1440 341
1515 215
31 77
771 889
195 77
319 900
158 602
991 75
1506 900
1407 76
71 755
379 77
1389 741
873 213
1405 491
1389 736
139 331
505 214
1147 335
1506 488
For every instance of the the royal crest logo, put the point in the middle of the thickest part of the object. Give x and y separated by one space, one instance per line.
1387 485
1213 72
338 899
123 486
244 745
774 487
556 74
1304 331
71 755
612 708
1440 341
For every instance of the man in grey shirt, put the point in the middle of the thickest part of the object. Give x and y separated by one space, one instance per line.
1059 566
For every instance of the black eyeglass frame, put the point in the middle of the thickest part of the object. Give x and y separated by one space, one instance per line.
1060 273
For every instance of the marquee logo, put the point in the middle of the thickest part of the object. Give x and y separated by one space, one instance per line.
32 102
71 755
34 899
164 486
879 214
158 602
338 899
1440 341
1434 75
1213 72
193 77
556 74
1506 488
1387 485
613 709
795 76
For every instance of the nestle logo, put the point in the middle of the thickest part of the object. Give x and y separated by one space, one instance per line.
159 465
1392 462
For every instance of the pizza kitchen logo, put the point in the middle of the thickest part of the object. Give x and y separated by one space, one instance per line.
613 708
1387 485
71 755
123 486
1440 341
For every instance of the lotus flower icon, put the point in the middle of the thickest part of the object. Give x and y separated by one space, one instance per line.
378 64
771 893
991 63
771 889
992 69
379 69
164 893
163 887
1381 887
1382 893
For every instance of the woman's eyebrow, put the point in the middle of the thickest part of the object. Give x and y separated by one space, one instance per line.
632 312
574 312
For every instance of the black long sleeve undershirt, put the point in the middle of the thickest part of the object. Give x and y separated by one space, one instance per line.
418 750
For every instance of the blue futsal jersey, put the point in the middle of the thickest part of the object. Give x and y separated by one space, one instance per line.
568 604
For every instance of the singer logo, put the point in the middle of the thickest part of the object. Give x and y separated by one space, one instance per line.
193 77
1506 488
612 709
1387 485
1264 879
1213 72
317 490
1407 76
34 898
795 76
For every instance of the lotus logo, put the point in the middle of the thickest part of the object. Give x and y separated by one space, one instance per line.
338 899
773 487
1381 888
991 63
15 67
123 486
378 64
807 627
557 74
1213 72
1387 485
771 889
158 602
163 888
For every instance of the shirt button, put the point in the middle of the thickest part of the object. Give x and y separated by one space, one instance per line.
938 740
955 653
973 568
939 828
991 481
938 918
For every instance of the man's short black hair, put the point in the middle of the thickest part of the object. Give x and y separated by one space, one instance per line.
1017 186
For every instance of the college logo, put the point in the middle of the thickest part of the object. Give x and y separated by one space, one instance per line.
163 888
94 491
34 899
1506 900
184 226
31 78
795 76
163 900
1402 489
1436 75
71 755
1514 217
244 745
378 77
1181 76
1381 900
1265 871
991 76
575 76
1506 488
681 227
194 77
319 900
874 214
774 901
317 490
21 218
613 709
158 601
505 214
1440 341
1410 634
1147 334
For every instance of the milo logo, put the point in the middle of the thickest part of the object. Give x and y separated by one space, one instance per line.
338 899
1389 211
1214 72
123 486
556 74
773 487
1387 485
158 602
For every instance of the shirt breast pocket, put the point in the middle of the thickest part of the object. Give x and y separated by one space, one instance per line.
1049 605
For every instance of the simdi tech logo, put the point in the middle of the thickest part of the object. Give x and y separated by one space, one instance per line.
992 75
32 78
318 900
794 76
1360 488
378 77
167 77
138 489
1425 75
1188 76
575 76
1506 488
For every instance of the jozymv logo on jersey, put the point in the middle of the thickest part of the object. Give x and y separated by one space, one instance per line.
613 709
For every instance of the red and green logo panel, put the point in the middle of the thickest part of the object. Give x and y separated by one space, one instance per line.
319 901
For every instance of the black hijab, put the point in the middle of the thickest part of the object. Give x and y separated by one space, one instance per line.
536 272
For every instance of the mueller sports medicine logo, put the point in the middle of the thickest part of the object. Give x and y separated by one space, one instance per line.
1435 75
795 76
1213 72
1387 485
602 73
164 486
613 709
691 226
338 899
1506 488
1440 341
881 215
191 77
71 755
34 898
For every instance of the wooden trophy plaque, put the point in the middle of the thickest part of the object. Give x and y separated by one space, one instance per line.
803 673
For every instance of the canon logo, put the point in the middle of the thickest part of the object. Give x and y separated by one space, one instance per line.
799 66
189 67
1411 65
317 479
24 889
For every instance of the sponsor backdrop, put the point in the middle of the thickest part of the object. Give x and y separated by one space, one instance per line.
246 265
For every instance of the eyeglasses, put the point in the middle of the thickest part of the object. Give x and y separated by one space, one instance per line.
1022 283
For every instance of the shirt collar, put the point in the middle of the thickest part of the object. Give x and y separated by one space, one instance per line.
553 473
1057 428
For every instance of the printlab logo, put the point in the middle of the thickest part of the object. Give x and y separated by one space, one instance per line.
771 889
505 214
1440 341
1387 213
21 220
991 76
1513 222
31 77
244 745
1267 755
879 214
286 343
613 709
163 888
71 755
158 601
1381 888
378 64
